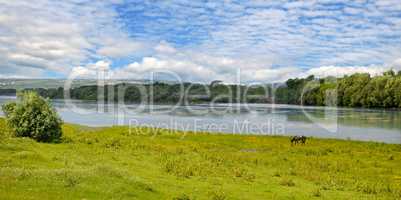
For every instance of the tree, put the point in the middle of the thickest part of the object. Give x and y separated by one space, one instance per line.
32 116
389 73
376 94
350 89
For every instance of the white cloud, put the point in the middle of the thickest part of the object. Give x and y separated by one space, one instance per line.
34 37
199 42
397 64
164 47
91 70
82 72
204 68
118 51
184 69
340 71
119 47
100 65
55 36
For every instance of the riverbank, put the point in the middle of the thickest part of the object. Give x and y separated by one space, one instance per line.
106 163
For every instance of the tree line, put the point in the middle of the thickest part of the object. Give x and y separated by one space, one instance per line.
357 90
164 93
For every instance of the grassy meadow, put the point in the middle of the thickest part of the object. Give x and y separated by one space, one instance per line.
112 163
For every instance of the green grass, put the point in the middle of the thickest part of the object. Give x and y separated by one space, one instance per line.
111 163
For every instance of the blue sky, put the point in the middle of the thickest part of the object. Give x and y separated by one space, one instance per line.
264 41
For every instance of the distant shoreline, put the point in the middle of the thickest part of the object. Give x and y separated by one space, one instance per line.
230 104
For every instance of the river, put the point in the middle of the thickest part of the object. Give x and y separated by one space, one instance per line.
260 119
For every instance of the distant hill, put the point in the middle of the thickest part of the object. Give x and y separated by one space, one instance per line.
52 83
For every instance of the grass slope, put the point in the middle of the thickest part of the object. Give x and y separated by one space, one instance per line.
111 163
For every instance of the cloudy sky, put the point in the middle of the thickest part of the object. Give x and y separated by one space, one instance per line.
198 40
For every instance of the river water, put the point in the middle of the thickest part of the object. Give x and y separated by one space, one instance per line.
260 119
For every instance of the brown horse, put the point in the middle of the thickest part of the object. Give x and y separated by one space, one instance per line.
298 139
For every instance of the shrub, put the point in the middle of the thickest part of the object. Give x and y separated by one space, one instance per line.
32 116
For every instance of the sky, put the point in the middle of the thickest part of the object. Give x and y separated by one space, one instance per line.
198 40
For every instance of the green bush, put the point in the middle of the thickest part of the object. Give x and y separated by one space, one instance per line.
32 116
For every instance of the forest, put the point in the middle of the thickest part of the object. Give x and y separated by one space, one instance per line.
164 93
357 90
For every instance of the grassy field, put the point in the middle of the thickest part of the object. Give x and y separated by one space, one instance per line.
112 163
